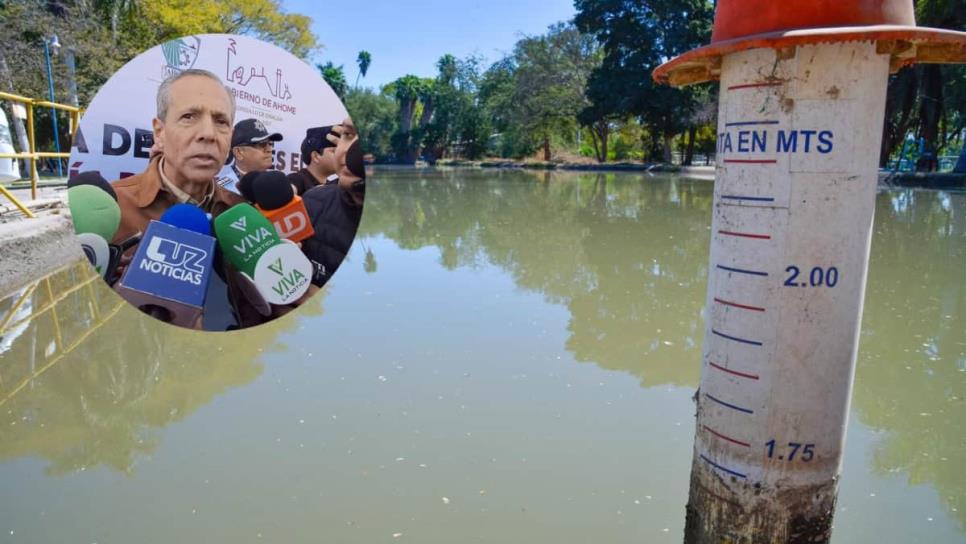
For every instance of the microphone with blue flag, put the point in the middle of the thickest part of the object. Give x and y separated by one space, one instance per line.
169 274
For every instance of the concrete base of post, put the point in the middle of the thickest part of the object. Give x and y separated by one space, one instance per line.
797 515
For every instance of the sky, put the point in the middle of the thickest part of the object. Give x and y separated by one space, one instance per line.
409 36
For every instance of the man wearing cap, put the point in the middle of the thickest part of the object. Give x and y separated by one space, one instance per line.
251 148
318 156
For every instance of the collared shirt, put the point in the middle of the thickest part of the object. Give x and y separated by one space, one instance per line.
146 196
182 196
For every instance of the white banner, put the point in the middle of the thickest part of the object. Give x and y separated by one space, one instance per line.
269 84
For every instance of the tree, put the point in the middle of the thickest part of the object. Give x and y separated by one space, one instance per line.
928 100
262 19
549 81
115 10
637 36
363 60
376 118
335 77
407 91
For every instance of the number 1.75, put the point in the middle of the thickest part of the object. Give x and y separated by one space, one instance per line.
795 450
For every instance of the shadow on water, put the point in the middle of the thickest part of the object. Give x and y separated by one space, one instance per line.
86 380
627 256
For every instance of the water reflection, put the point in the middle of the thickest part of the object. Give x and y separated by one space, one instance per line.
911 371
408 398
85 380
623 253
627 256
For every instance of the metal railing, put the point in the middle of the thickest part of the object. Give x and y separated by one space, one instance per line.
32 154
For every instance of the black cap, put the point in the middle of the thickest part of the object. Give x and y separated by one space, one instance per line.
315 140
92 177
252 131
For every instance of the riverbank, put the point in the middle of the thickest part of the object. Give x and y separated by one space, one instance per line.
702 172
943 181
32 246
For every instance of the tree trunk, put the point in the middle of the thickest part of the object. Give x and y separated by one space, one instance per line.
427 115
689 153
668 147
930 112
593 139
604 136
546 148
901 97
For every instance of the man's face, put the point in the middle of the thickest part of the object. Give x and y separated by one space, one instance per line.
249 158
196 132
326 161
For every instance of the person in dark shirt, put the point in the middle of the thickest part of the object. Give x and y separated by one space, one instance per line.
318 156
336 209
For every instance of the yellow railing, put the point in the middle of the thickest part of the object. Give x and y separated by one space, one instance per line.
33 155
61 348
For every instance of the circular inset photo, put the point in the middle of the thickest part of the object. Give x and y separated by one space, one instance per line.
216 182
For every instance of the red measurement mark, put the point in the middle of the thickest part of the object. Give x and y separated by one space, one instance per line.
735 372
753 85
751 161
745 234
728 438
736 305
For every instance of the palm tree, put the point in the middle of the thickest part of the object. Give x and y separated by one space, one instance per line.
363 60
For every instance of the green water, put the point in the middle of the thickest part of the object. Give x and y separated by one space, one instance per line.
504 357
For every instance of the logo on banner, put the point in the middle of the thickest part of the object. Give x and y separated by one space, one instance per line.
180 54
174 260
260 85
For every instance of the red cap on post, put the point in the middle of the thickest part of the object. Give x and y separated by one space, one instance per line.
752 24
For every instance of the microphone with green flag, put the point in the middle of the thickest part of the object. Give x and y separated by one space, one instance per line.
274 267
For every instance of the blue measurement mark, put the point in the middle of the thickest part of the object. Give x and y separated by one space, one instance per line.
742 270
753 198
719 467
736 339
729 405
746 123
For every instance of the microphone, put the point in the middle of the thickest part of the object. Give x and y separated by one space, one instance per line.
168 276
96 217
276 199
244 185
274 267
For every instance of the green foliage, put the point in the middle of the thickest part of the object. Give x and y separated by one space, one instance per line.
363 60
335 77
263 19
550 79
637 36
375 116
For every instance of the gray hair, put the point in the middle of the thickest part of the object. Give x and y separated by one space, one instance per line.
164 90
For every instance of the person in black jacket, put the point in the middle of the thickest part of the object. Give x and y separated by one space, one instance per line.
336 209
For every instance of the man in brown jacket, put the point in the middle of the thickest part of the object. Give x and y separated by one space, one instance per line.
192 134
